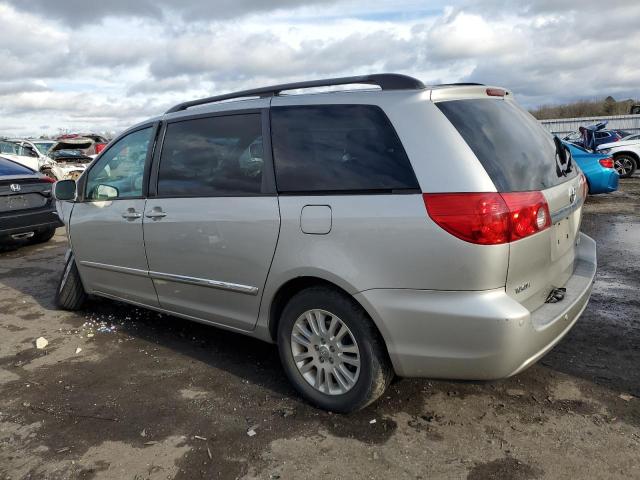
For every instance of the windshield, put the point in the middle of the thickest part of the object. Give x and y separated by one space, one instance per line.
515 150
44 147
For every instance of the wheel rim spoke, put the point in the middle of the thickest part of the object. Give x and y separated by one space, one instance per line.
350 360
332 326
312 323
302 357
341 380
325 352
304 330
347 375
305 342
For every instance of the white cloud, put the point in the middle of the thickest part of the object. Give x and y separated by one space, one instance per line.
115 63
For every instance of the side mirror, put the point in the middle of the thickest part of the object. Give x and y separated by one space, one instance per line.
65 190
106 192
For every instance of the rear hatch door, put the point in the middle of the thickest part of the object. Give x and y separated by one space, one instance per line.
521 156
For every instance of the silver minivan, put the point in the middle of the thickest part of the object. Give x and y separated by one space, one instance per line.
429 231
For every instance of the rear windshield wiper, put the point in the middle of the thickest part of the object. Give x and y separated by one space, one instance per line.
566 164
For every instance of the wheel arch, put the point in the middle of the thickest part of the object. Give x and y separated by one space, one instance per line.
295 285
628 153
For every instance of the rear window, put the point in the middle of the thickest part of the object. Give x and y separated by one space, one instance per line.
515 150
338 148
7 167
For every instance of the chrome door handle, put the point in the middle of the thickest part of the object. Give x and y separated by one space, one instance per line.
155 214
131 214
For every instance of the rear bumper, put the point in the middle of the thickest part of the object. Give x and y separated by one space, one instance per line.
22 222
604 181
481 335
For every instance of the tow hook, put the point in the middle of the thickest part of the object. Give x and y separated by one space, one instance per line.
556 295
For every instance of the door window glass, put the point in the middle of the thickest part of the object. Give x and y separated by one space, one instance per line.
214 156
121 167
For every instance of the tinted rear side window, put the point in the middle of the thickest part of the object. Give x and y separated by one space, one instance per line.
215 156
514 149
338 148
7 167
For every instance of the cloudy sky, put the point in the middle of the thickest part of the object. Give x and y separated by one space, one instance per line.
102 65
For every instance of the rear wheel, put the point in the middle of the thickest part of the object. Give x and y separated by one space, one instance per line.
43 236
331 351
70 294
625 165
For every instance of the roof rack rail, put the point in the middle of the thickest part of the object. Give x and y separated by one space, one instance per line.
386 81
461 84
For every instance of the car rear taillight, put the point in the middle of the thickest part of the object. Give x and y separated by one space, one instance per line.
100 147
489 218
606 162
46 179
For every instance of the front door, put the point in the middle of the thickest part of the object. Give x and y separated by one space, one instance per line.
106 226
211 230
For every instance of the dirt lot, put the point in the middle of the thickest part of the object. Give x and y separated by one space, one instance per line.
128 394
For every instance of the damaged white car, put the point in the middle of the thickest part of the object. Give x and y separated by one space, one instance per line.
60 160
70 157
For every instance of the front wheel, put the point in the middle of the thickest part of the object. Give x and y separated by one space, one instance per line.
331 351
70 294
625 165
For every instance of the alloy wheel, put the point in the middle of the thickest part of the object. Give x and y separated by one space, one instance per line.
623 166
325 352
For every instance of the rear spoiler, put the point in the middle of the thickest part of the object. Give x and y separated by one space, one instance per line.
462 91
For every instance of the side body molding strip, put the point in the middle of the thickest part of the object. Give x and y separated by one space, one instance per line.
203 282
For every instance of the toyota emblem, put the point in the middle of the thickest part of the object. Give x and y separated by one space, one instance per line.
572 194
15 187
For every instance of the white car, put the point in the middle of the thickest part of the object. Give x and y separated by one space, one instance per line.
37 155
625 153
30 157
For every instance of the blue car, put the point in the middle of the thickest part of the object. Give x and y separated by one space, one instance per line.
598 168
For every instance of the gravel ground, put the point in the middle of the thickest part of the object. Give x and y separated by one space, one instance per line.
124 393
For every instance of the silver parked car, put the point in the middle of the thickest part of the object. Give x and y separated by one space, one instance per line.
421 231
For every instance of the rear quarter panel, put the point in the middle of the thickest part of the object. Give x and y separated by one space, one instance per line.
381 241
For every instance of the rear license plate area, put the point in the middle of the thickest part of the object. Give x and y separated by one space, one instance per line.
562 238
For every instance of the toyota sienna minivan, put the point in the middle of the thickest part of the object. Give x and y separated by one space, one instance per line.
423 231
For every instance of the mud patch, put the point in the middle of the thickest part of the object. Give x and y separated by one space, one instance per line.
31 316
13 328
427 424
504 469
363 428
7 376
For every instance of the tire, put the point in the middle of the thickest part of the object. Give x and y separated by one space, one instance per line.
363 384
43 236
625 165
70 294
